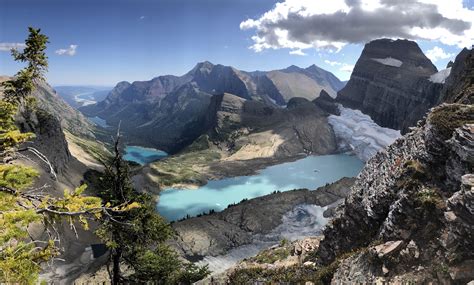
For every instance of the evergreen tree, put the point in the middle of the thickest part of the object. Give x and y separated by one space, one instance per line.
21 86
136 238
22 205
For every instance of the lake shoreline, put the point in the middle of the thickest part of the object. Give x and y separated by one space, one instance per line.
309 172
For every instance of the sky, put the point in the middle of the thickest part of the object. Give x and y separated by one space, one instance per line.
102 42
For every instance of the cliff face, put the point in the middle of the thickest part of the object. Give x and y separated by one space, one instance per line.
458 86
69 118
410 214
390 82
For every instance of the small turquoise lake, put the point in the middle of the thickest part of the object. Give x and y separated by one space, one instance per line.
143 155
310 172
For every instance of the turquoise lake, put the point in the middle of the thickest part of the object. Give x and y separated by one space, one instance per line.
143 155
310 172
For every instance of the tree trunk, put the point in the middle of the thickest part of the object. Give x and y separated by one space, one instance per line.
116 266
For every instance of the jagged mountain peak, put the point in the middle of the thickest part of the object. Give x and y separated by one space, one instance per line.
204 66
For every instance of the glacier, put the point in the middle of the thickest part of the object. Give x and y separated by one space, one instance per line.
440 77
358 133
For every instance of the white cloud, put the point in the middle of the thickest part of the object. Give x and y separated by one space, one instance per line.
347 67
304 24
438 53
298 52
69 51
332 63
142 17
10 46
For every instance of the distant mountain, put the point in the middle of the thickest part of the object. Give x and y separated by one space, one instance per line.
391 83
78 96
168 111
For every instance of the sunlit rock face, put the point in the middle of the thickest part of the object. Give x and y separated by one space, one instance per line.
358 133
391 83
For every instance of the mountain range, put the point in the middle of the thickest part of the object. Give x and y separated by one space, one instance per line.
168 112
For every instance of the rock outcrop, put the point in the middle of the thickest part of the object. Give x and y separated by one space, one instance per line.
302 127
390 83
462 70
327 103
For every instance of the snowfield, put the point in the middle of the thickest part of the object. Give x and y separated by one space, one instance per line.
357 132
390 61
440 77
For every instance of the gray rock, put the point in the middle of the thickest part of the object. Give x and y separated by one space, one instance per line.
394 96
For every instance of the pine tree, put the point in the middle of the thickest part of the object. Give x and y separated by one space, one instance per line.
22 205
21 86
136 238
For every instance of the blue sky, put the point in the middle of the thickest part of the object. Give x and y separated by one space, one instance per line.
140 39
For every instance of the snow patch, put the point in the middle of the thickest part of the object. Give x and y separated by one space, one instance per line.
390 61
359 133
440 77
301 222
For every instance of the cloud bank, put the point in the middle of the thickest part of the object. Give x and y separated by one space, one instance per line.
438 53
69 51
10 46
320 24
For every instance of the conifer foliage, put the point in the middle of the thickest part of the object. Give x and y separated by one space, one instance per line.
21 204
136 238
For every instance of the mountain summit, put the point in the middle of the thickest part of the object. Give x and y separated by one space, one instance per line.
391 83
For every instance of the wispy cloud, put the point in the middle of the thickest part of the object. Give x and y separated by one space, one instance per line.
347 67
68 51
438 53
142 18
333 63
10 46
342 66
298 52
